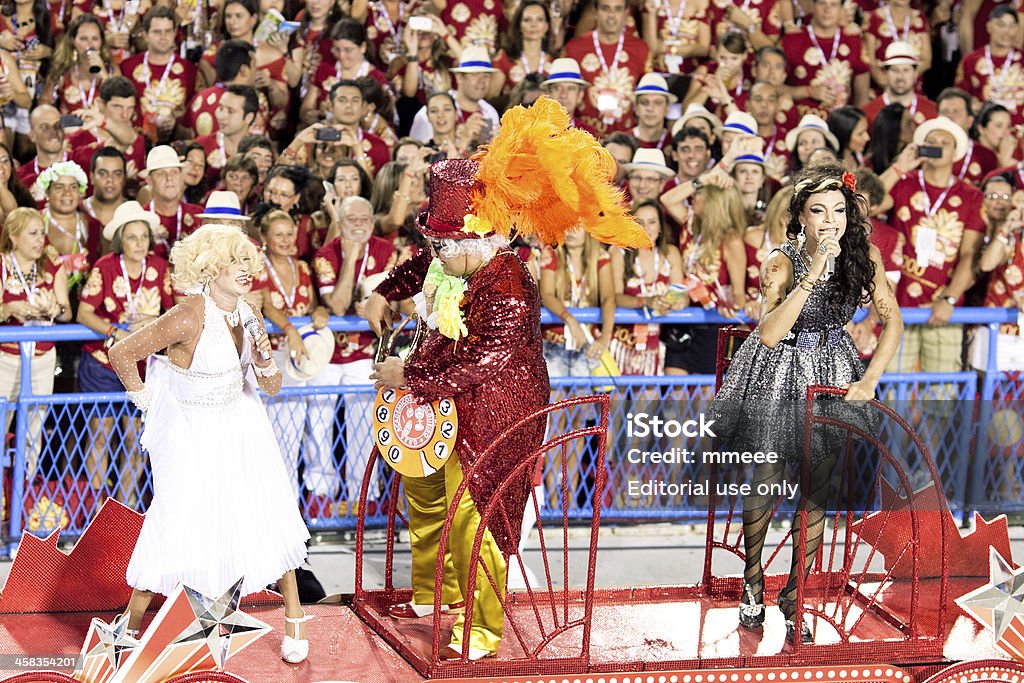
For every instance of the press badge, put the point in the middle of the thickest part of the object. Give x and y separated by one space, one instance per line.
925 242
607 101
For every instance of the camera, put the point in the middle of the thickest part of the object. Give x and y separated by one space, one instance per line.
929 151
71 121
420 24
328 134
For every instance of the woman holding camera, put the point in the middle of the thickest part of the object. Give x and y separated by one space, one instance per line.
79 65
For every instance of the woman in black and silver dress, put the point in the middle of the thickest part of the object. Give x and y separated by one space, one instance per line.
801 341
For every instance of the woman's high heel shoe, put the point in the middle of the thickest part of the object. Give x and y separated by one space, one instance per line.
788 607
294 650
752 608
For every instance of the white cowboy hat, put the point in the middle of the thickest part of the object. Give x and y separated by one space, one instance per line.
319 350
565 70
646 159
900 52
947 125
129 212
696 111
474 60
653 84
811 122
161 156
740 122
223 204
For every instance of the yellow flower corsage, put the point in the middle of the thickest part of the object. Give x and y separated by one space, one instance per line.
476 225
447 301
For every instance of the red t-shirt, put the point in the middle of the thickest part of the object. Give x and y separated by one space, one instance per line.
1005 285
616 84
294 302
579 294
155 92
914 30
384 33
684 33
516 71
12 289
475 22
179 224
941 233
976 164
379 256
922 108
838 59
999 79
107 292
85 143
329 73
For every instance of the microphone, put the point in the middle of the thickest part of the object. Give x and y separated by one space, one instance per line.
830 267
252 328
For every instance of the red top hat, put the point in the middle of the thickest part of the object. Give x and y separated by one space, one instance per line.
453 183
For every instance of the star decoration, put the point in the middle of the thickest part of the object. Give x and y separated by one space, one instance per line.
217 621
999 601
114 643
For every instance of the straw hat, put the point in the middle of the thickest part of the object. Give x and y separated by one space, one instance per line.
223 204
653 84
811 122
319 350
696 111
947 125
900 52
740 122
474 60
565 70
161 156
649 160
126 213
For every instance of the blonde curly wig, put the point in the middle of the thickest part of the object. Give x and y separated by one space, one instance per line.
201 256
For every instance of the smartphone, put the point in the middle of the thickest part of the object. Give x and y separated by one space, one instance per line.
329 188
437 156
420 24
71 121
328 134
929 151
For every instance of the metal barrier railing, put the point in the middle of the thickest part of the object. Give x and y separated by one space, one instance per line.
53 478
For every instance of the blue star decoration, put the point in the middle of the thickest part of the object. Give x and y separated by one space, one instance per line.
114 643
218 621
1002 596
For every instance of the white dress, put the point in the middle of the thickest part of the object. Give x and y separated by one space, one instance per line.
222 505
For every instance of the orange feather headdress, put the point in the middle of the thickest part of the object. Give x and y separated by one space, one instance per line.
542 177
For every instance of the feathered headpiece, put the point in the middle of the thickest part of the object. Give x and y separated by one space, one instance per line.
541 177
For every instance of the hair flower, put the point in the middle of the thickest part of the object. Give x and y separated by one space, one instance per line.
476 225
63 168
850 180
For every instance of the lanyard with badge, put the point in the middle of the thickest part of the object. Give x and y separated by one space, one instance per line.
642 332
609 103
999 84
289 297
132 300
674 62
926 238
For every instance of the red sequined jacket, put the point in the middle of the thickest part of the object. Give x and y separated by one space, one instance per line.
496 375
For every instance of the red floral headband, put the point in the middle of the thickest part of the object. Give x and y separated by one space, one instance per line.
850 180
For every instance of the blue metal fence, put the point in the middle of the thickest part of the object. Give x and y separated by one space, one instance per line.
55 472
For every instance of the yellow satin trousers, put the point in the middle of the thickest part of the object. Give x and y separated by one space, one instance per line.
429 499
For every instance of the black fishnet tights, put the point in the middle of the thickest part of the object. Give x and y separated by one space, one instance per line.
757 517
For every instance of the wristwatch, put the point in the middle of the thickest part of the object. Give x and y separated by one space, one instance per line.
696 184
951 300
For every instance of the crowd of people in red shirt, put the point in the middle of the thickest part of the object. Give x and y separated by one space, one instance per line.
317 122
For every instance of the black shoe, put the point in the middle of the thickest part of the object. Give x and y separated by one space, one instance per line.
788 607
751 607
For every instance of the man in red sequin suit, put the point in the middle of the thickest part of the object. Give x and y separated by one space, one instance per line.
496 373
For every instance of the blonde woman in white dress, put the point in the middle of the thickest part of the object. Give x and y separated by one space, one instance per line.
222 507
